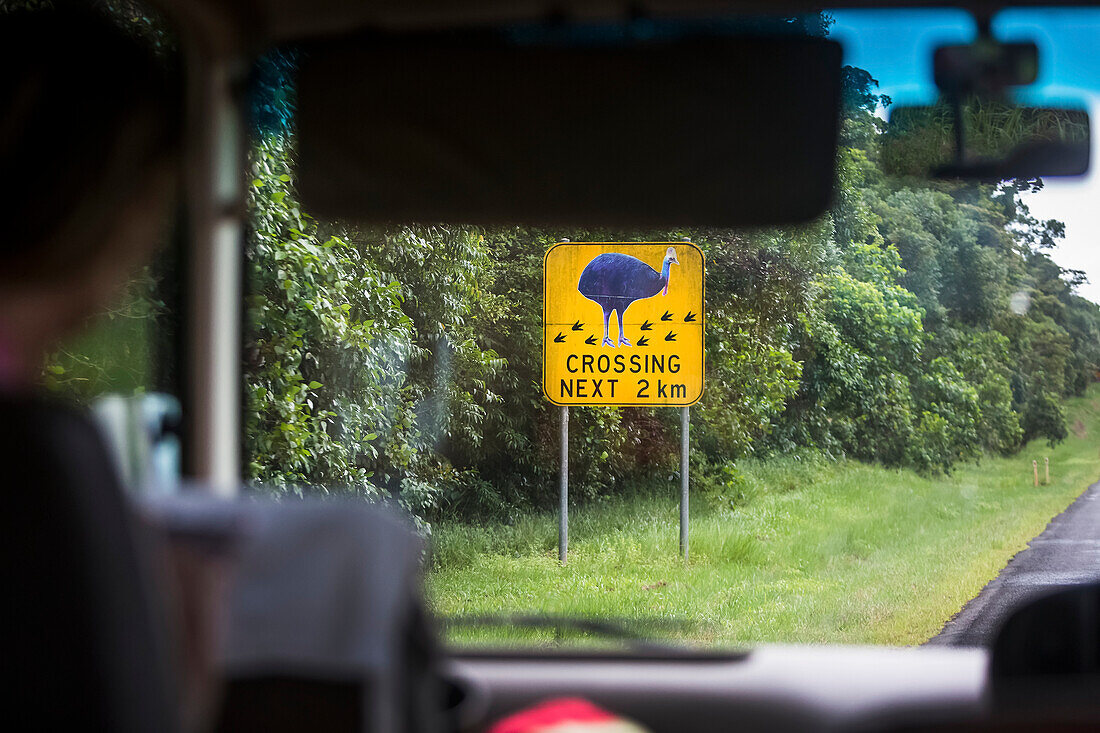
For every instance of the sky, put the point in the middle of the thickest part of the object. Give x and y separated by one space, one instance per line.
896 47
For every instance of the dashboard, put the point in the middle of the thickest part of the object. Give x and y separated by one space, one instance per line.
771 688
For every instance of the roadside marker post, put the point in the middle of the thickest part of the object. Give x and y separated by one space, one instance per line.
623 327
1035 468
1046 468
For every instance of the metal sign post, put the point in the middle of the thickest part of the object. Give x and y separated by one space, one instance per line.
684 421
563 509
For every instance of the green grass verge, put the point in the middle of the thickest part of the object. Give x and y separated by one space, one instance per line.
813 551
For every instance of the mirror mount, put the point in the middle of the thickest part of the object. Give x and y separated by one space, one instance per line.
984 69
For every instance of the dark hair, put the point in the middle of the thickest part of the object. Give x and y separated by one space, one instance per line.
88 111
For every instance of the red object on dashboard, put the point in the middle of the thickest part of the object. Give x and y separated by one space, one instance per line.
569 713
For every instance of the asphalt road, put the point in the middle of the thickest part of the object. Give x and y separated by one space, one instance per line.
1066 553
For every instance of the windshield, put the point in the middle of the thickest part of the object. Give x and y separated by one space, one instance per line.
894 399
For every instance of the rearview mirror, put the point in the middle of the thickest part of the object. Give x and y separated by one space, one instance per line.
483 128
998 141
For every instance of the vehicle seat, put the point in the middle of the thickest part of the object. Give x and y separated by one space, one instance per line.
84 636
326 629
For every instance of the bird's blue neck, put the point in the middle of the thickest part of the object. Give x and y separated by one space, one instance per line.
664 275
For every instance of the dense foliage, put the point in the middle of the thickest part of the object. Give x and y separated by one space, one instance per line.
915 325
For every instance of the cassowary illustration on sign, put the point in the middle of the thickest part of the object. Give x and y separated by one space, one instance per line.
615 281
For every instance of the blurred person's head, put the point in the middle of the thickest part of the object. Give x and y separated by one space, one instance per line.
90 139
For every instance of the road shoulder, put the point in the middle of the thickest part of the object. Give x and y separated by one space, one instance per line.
1066 553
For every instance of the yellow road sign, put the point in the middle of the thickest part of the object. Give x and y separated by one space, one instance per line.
623 323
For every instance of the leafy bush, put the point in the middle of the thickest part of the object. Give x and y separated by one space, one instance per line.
1044 417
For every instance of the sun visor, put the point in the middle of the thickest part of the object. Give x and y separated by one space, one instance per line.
472 128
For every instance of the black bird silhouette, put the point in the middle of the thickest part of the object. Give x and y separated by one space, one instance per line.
646 325
577 325
590 340
643 341
614 281
667 316
560 338
670 336
689 317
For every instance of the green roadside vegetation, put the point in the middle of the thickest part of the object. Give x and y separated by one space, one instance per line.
792 549
878 381
918 324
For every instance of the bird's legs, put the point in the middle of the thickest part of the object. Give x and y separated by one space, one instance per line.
622 334
606 337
